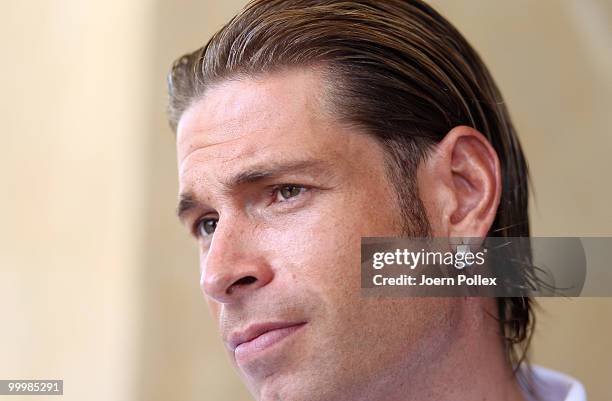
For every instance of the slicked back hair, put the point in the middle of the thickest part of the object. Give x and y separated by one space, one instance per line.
399 71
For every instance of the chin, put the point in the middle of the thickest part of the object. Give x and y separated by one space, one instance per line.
287 389
276 391
308 387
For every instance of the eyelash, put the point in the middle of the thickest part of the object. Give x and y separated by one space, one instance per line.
274 192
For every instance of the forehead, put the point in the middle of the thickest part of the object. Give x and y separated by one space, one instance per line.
250 120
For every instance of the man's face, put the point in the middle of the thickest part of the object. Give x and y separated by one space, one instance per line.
279 195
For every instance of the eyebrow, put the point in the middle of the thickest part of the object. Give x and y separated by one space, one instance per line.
188 200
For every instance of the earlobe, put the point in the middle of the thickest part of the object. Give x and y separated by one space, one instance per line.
461 184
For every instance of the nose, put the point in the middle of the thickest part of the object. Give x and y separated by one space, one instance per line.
234 268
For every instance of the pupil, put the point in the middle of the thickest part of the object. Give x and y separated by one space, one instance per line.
290 191
209 226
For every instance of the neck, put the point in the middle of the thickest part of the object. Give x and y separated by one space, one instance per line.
474 367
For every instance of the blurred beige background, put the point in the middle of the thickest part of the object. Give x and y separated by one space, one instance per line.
99 282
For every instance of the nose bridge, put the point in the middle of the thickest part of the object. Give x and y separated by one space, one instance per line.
234 266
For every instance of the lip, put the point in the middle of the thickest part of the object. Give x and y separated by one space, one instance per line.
259 337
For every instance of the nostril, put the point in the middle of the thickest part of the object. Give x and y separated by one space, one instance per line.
243 281
246 280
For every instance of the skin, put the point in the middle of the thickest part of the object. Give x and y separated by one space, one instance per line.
296 258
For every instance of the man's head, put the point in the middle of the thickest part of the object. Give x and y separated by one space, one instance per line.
305 125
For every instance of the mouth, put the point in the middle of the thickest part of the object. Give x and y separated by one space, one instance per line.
259 337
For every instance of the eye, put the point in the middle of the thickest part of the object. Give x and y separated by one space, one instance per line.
286 192
206 227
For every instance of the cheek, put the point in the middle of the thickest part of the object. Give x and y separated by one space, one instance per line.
321 247
319 233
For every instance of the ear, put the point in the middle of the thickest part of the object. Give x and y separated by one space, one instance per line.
460 184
